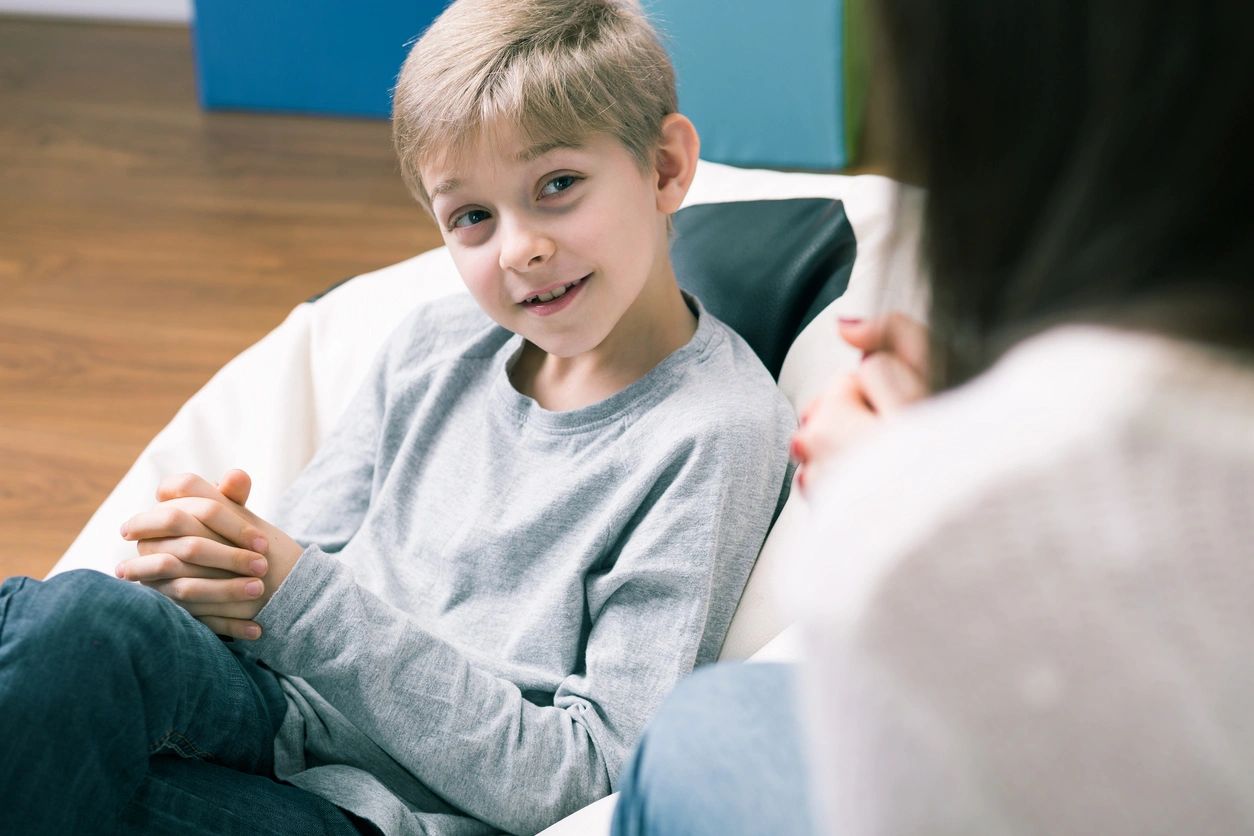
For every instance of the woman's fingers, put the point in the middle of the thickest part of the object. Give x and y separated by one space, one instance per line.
894 333
236 628
211 554
832 420
888 383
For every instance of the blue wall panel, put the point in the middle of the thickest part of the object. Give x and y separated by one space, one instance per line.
330 56
762 81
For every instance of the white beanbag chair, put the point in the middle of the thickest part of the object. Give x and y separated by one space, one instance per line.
268 409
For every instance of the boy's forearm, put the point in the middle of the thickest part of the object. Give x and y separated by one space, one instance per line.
388 675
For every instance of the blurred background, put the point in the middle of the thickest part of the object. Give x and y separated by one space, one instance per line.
177 175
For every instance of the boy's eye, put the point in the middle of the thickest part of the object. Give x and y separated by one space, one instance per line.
468 219
558 184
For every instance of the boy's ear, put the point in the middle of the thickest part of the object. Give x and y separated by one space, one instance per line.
675 161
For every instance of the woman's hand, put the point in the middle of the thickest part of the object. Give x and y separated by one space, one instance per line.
892 375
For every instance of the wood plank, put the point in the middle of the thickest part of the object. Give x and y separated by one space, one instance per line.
143 243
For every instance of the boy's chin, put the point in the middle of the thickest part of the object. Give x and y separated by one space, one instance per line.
561 348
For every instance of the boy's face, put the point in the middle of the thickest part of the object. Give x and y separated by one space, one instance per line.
526 224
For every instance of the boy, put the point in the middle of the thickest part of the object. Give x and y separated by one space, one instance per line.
534 518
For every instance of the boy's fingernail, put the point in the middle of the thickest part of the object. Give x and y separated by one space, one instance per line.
119 571
122 530
259 545
258 567
252 631
849 320
253 588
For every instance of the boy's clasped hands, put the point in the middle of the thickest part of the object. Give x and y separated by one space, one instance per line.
205 551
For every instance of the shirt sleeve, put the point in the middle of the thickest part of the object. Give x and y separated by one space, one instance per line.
659 604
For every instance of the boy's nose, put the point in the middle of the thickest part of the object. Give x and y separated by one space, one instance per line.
525 249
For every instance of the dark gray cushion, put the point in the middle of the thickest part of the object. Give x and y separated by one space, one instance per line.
765 267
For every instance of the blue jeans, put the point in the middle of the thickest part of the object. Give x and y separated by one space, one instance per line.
722 757
120 713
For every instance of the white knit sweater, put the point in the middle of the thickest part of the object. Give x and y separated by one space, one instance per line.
1031 602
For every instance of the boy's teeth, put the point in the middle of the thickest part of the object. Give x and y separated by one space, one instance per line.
551 295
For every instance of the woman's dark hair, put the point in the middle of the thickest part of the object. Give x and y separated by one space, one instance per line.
1084 160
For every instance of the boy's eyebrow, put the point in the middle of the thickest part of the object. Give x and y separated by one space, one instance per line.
537 151
532 153
445 187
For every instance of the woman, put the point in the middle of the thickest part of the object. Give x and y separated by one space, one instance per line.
1030 597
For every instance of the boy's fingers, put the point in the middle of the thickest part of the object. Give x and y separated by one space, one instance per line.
236 485
185 484
167 520
227 609
225 521
236 628
201 551
889 384
192 593
160 566
196 517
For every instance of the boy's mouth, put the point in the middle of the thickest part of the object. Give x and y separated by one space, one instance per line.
556 292
556 298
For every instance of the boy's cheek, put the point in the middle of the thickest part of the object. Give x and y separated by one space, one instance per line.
481 274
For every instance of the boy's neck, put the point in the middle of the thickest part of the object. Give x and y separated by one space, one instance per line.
658 324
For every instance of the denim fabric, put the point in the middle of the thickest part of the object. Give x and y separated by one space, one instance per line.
105 686
722 757
182 796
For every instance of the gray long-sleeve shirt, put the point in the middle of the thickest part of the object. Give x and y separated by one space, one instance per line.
495 597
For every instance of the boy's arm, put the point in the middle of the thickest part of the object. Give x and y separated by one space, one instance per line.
663 605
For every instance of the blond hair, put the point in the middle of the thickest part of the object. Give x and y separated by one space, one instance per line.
557 71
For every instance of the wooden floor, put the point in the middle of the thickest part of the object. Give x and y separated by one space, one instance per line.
143 243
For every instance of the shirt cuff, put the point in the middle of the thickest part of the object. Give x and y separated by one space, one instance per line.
289 611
